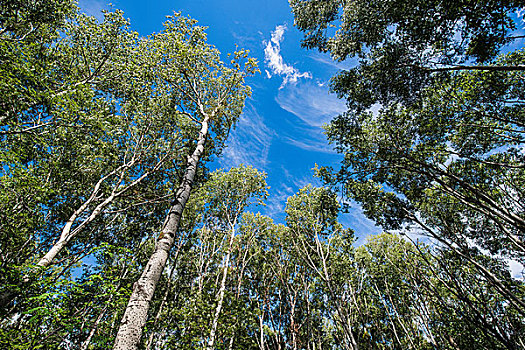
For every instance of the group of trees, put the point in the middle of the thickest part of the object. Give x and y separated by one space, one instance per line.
114 234
444 154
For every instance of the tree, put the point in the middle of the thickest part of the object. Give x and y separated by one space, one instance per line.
208 276
210 95
228 195
263 285
140 145
324 247
450 166
403 45
92 138
417 296
76 307
442 156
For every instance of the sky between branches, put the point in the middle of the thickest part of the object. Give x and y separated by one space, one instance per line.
280 131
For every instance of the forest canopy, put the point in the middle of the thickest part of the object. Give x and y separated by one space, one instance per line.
117 233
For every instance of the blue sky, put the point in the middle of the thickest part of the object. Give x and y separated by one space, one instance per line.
280 130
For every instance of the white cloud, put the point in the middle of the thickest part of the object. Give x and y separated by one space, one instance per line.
249 143
286 172
244 37
336 65
277 201
274 60
356 220
289 186
312 103
300 183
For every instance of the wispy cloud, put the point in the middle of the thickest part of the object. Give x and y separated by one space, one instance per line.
245 38
249 143
310 102
415 233
357 221
277 201
299 183
274 60
289 186
315 142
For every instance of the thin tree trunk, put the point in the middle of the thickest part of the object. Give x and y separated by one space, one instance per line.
261 331
67 232
491 278
53 252
392 323
85 344
220 295
345 321
492 68
230 346
135 316
93 330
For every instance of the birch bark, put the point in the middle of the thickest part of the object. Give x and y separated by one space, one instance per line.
135 316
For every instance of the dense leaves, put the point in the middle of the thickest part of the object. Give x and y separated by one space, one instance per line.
113 234
402 45
433 136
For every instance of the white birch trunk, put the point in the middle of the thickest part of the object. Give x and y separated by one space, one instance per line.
220 295
53 252
164 298
261 331
67 234
135 316
87 342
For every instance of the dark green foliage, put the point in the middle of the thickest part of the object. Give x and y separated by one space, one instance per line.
400 44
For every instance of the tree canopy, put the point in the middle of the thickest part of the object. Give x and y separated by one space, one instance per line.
441 154
114 234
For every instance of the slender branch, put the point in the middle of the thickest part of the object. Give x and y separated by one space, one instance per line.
492 68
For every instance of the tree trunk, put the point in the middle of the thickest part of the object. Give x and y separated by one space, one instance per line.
149 343
261 331
135 316
53 252
66 233
85 344
220 295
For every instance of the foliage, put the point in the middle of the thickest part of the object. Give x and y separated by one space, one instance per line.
403 45
104 135
442 155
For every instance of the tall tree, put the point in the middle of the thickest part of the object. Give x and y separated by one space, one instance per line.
228 195
324 247
211 96
443 154
93 136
